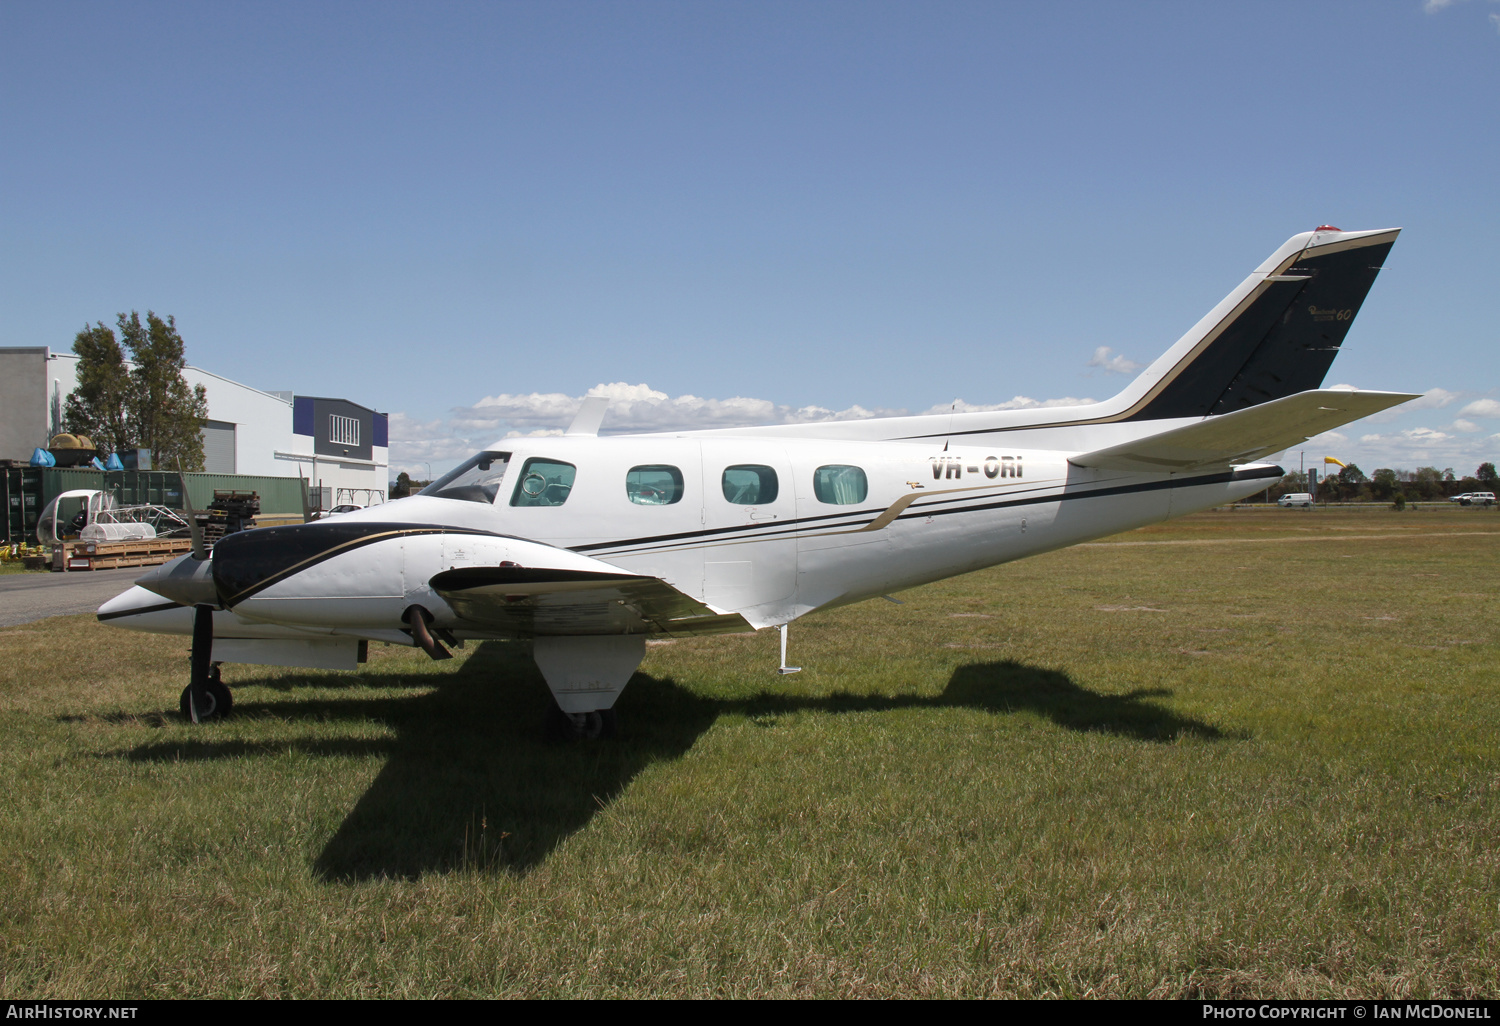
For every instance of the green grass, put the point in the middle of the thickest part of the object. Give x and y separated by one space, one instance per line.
1255 757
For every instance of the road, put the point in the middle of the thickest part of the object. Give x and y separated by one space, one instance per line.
28 597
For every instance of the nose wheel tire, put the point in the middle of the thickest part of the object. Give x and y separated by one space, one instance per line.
214 703
575 727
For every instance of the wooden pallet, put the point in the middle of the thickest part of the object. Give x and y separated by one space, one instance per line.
113 555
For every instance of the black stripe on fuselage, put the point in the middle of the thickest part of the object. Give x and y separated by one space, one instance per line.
141 611
931 509
768 529
1144 486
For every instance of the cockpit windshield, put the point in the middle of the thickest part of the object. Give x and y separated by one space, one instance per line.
475 480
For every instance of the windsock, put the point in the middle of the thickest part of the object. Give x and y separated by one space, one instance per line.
1330 459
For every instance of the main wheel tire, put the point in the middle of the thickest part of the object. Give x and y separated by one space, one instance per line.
570 728
216 696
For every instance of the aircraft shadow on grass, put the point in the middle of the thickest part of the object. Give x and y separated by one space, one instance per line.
469 782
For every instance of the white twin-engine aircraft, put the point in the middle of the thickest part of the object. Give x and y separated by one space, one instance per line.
590 545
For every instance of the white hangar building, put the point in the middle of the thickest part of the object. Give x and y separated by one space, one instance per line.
335 444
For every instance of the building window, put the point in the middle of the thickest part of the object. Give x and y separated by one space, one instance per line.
840 485
749 484
343 430
658 485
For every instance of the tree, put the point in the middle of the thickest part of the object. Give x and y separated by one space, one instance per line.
98 406
402 487
148 404
1383 484
167 415
1486 474
1349 481
1427 483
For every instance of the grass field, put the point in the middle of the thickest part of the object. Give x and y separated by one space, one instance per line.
1248 753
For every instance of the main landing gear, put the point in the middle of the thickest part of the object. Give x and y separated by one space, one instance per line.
583 674
598 725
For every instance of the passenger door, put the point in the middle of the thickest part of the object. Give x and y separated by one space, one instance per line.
750 538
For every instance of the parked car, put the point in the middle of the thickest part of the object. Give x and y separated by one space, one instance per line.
1295 499
1474 499
345 508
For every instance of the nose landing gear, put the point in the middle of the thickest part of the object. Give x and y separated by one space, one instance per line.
214 703
206 697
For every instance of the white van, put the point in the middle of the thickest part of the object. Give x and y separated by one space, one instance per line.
1295 499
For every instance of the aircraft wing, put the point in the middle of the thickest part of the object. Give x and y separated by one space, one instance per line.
543 601
1245 435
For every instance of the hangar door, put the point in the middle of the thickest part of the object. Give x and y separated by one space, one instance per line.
218 447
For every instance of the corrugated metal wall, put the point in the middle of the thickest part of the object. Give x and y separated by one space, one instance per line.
27 491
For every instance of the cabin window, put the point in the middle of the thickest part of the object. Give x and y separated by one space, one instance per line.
655 485
840 485
477 479
750 484
543 482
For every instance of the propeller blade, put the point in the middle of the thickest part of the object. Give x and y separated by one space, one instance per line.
200 550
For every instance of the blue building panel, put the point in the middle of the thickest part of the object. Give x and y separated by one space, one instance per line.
303 419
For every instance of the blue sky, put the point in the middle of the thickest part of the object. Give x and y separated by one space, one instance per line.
471 215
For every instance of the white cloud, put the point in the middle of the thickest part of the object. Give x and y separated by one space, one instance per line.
638 408
1113 364
1432 399
1464 425
1020 402
1481 408
1433 6
1495 21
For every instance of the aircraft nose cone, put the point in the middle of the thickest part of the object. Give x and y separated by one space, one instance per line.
185 580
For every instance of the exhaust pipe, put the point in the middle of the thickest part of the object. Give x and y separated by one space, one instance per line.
419 618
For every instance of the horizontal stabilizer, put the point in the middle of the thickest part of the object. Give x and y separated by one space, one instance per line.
1245 435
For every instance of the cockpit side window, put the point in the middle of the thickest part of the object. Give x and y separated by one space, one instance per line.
477 479
543 482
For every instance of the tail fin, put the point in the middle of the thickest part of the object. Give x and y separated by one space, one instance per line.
1274 336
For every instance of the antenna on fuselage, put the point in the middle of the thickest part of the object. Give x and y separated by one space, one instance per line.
784 668
589 416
